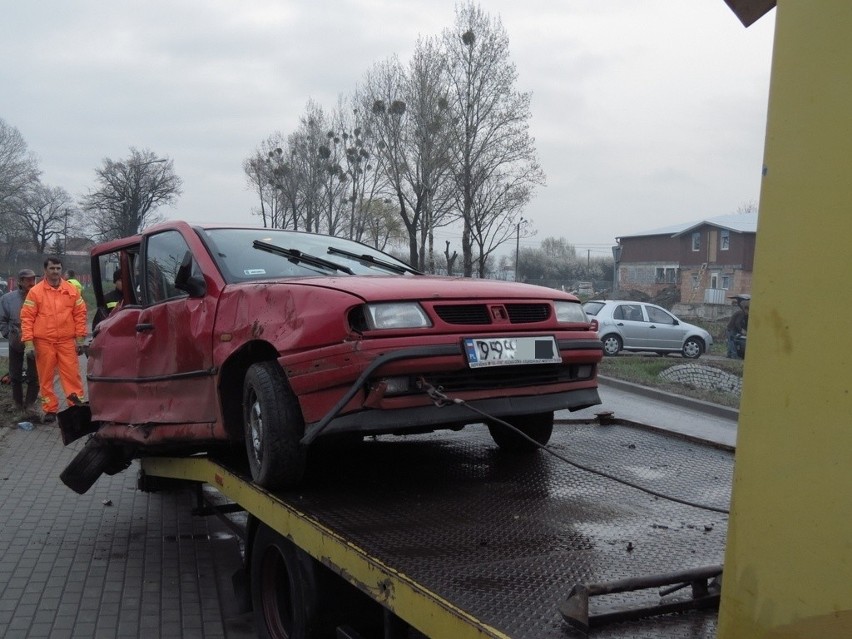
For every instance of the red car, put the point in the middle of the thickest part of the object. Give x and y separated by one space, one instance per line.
277 338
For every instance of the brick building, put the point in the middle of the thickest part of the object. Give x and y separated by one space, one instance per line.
707 260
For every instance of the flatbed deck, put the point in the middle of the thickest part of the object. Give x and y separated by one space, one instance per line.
461 540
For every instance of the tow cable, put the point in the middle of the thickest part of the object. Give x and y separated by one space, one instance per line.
440 399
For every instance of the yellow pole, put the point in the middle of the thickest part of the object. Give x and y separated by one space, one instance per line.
788 566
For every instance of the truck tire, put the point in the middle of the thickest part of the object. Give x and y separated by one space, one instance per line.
284 590
538 426
273 426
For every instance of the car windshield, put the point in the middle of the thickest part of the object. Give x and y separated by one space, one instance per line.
258 254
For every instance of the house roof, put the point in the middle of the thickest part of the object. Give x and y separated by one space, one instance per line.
737 222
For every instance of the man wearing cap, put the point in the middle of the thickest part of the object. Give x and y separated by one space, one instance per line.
10 327
53 324
115 297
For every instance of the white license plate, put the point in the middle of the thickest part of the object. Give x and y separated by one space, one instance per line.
511 351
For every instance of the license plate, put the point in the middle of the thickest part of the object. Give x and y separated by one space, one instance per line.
510 351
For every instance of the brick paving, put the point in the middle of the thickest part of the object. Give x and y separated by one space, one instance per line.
115 562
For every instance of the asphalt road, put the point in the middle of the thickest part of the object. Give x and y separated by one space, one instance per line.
663 411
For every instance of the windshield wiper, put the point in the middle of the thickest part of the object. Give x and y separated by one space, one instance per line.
369 259
295 255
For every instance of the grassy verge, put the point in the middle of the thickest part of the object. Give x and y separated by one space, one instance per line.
645 370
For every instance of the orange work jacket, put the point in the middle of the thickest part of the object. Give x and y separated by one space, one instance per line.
53 313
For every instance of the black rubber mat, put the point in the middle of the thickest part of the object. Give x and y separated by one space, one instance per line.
506 537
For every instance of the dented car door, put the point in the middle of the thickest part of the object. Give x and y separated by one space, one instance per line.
175 376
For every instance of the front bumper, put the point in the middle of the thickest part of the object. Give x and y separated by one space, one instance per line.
344 417
419 418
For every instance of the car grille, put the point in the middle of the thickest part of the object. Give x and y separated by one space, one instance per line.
528 313
478 313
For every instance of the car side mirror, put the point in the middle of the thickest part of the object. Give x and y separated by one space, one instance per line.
185 281
675 322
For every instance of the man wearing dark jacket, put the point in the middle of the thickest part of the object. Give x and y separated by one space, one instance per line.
737 325
10 327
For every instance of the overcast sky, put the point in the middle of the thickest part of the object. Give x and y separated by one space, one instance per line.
645 112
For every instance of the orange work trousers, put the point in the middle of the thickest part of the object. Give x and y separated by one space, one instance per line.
51 355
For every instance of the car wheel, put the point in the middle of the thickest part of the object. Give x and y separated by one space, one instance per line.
90 463
692 348
538 427
611 344
273 426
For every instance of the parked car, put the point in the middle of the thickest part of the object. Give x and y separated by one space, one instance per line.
639 326
279 338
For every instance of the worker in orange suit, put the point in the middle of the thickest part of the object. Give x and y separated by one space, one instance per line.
53 324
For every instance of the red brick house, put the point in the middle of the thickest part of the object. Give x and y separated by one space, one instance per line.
708 260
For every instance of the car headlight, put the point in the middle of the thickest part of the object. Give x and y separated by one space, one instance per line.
392 315
570 312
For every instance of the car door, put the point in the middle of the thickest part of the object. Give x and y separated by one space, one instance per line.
175 375
666 332
630 320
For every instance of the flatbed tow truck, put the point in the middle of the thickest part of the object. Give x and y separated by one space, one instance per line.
444 536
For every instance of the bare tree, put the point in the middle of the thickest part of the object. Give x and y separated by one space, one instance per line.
309 167
493 150
410 123
44 216
747 207
382 226
19 174
18 167
269 172
129 193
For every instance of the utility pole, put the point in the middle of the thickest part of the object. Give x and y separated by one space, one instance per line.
65 242
518 247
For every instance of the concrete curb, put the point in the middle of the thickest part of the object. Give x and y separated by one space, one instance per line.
695 404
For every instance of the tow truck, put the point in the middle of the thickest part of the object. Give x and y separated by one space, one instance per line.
442 536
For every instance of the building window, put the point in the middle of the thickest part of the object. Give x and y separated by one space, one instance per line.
666 275
724 240
726 282
696 241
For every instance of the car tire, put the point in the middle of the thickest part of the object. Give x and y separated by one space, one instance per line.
612 344
89 464
692 348
538 427
273 427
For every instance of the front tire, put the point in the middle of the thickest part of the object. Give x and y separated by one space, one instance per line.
692 348
538 427
273 426
612 344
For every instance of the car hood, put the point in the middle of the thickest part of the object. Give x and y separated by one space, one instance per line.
380 288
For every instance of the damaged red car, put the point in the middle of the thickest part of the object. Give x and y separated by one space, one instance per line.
274 338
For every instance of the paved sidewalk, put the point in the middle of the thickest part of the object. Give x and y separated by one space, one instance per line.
114 562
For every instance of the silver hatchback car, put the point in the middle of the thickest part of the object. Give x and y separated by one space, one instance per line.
639 326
